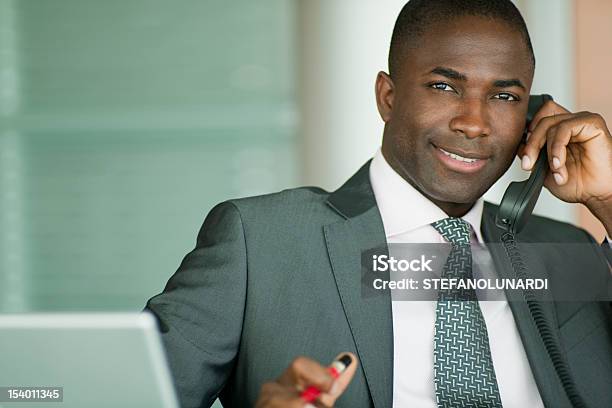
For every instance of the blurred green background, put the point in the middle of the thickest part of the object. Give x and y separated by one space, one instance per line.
121 124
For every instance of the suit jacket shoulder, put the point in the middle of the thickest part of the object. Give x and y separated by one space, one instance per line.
275 207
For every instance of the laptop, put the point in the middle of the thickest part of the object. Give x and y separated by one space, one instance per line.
83 360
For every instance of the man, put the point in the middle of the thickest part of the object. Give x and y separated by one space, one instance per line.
276 277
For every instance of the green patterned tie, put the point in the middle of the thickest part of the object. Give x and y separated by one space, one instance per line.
463 370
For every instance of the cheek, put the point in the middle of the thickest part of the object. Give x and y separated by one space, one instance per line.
508 120
509 139
412 122
506 149
415 109
508 129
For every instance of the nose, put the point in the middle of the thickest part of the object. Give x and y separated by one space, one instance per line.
472 119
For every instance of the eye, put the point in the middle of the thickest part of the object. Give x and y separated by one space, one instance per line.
506 97
442 86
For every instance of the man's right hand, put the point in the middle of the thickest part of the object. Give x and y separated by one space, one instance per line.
302 373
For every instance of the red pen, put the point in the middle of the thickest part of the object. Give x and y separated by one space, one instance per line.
337 367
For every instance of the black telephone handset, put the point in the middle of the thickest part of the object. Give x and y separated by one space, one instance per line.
521 196
515 208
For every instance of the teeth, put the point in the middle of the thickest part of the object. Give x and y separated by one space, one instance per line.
457 157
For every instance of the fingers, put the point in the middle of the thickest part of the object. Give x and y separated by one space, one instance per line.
303 372
549 108
537 138
558 137
341 383
558 132
274 395
549 113
582 128
302 375
579 148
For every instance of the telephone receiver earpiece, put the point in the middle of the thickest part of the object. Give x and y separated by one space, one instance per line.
521 196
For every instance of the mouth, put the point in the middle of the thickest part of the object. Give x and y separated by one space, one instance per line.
460 161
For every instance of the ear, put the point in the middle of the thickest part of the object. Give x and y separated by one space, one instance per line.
384 95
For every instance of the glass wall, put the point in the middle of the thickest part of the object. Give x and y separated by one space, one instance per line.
121 124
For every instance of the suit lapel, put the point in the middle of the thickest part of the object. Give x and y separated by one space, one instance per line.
546 378
369 317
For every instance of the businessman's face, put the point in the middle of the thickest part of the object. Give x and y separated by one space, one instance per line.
455 112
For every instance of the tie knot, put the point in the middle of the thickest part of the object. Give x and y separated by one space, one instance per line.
454 230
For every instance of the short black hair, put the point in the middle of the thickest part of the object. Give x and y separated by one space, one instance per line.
418 15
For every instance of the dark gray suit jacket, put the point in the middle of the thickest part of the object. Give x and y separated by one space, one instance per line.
278 276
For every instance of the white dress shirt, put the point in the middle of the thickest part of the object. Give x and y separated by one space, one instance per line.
406 216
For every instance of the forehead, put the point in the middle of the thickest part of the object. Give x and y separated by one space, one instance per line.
477 46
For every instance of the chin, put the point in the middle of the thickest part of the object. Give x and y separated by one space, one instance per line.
450 194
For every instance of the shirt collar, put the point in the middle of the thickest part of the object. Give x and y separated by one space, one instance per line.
403 208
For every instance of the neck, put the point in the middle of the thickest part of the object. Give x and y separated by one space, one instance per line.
456 210
451 209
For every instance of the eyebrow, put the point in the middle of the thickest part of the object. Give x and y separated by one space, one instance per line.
507 83
449 73
458 76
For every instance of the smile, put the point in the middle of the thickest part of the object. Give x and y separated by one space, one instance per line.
457 157
460 163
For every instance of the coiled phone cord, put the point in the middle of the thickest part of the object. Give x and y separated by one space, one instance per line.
544 329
